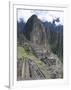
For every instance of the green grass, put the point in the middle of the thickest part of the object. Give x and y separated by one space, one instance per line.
21 53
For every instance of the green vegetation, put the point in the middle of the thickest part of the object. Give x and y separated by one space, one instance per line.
22 53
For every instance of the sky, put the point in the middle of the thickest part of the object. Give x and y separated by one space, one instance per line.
42 15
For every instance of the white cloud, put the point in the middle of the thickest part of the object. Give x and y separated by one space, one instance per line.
55 14
25 14
43 15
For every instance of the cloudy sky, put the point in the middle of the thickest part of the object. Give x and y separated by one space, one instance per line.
42 15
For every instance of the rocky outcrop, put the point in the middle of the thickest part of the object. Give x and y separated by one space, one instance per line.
35 31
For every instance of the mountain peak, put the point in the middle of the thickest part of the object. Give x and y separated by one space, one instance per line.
33 16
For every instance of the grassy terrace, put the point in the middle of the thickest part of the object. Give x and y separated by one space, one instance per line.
22 53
